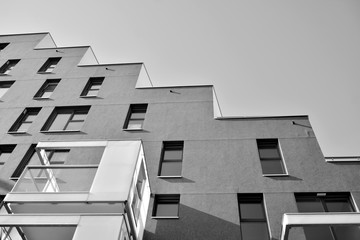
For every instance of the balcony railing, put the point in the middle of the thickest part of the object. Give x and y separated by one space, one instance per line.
343 159
52 179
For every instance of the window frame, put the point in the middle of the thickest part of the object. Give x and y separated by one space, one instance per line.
264 143
247 198
6 148
93 81
23 163
166 199
49 82
171 145
3 45
135 108
72 111
22 119
8 66
51 64
2 83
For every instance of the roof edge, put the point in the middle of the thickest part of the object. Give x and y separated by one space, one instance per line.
263 117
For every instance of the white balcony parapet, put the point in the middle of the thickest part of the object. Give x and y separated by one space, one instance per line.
343 159
65 227
316 219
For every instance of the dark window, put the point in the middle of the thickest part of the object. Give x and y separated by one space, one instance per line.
5 152
4 87
47 88
171 158
66 119
92 87
253 222
31 157
25 120
166 205
138 193
8 66
327 202
49 65
3 45
136 116
270 156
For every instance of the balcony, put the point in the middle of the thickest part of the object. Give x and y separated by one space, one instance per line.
320 226
116 183
64 227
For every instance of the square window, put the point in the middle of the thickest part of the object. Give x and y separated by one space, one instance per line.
166 206
8 66
270 156
3 45
171 159
136 116
5 152
25 120
4 87
92 87
66 119
253 223
47 88
49 65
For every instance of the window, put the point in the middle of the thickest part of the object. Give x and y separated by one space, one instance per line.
66 119
56 156
166 206
171 159
253 224
270 156
3 45
49 65
327 202
8 66
47 88
92 87
138 192
5 152
25 120
136 116
4 87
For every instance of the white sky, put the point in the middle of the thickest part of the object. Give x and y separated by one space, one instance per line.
278 57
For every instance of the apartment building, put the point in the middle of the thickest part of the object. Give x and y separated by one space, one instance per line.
95 151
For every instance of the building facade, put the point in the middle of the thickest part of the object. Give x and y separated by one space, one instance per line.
94 151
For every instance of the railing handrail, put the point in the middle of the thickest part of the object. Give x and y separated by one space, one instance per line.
61 166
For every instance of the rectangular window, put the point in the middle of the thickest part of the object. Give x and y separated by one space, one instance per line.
253 224
30 156
25 120
49 65
66 119
4 87
171 159
5 152
3 45
166 206
136 116
92 87
138 193
8 66
327 202
270 156
47 88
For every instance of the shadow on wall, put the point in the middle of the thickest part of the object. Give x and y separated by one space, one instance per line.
192 224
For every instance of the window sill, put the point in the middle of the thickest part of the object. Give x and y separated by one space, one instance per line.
41 98
159 217
89 96
276 175
44 72
4 74
13 132
133 129
169 176
60 131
